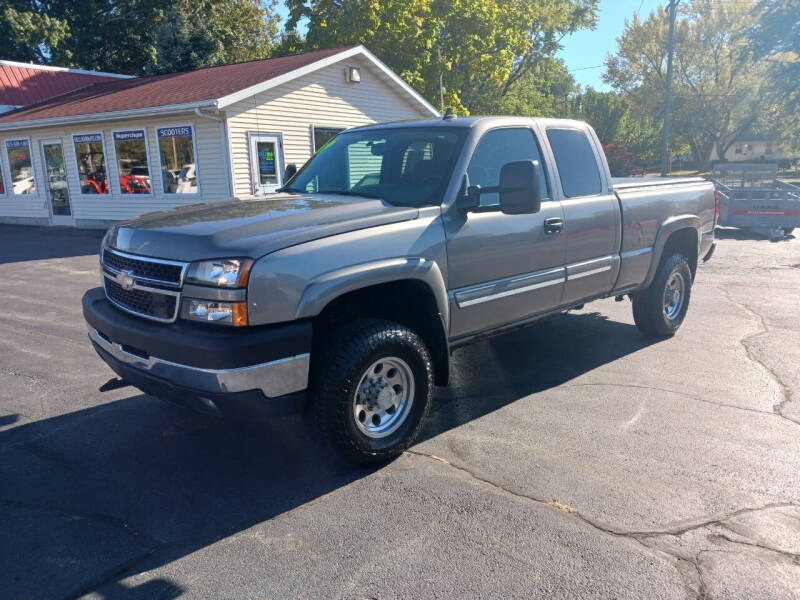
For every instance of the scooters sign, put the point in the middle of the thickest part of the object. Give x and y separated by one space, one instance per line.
168 132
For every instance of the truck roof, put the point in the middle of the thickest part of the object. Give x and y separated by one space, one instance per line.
470 122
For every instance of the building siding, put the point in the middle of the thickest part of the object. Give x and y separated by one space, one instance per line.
322 98
210 160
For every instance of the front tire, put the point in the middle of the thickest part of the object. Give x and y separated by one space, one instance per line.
372 390
659 309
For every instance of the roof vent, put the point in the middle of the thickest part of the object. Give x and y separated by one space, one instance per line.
449 115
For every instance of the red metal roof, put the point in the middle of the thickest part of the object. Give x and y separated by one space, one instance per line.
21 84
162 90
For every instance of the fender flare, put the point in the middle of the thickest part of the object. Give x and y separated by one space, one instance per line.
325 288
667 228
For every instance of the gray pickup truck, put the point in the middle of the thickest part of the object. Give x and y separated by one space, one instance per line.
395 244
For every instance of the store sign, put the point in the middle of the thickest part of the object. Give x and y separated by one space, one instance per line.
11 144
128 136
168 132
89 138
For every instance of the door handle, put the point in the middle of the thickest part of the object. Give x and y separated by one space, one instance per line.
553 225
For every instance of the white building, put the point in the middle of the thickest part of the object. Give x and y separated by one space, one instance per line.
122 147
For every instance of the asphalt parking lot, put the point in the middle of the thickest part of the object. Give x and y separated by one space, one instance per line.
573 459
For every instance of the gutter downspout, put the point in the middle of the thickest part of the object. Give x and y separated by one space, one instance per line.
225 147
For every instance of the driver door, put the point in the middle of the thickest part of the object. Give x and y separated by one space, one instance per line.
503 268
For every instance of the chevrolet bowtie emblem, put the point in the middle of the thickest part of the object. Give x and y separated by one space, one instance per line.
125 280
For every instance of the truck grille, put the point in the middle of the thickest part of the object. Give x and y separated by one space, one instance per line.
141 302
164 272
147 287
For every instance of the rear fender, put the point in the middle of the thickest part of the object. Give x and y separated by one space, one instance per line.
669 227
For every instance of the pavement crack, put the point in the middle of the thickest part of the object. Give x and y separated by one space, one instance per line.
121 524
680 393
645 538
786 391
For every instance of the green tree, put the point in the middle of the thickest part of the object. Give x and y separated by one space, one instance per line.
543 91
718 83
775 39
605 111
196 34
92 34
122 36
475 46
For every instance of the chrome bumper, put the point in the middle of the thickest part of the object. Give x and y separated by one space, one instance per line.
275 378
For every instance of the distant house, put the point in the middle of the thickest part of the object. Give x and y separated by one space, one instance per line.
116 147
759 147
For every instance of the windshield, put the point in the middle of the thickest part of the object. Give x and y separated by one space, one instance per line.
404 166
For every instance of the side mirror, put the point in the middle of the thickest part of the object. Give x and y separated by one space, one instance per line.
291 169
520 188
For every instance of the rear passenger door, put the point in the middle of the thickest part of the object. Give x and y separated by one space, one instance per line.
503 268
591 213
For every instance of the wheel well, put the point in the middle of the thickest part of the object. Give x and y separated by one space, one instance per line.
685 242
408 302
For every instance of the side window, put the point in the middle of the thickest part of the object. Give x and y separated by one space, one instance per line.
577 165
498 147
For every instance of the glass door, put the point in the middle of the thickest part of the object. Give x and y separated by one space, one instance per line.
267 167
56 183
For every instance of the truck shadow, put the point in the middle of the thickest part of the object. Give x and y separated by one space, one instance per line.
163 482
24 242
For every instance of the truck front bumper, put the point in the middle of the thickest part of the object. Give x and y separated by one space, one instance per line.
253 371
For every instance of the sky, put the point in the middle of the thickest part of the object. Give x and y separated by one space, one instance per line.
585 51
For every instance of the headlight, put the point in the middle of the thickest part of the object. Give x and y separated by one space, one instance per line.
224 272
224 313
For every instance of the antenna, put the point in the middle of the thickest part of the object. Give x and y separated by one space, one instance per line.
449 115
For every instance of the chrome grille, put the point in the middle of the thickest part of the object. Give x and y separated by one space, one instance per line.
142 302
143 286
168 272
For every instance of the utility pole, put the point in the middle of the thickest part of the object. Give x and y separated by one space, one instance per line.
673 9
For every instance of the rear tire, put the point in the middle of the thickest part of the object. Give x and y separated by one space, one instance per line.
372 389
660 309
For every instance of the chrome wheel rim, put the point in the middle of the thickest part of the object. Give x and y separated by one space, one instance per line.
383 397
674 296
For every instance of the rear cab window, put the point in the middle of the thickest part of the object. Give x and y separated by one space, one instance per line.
576 162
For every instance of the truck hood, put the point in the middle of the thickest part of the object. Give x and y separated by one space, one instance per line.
250 227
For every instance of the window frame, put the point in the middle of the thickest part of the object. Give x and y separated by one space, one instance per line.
147 155
542 159
4 192
78 167
161 166
592 146
314 127
10 191
280 162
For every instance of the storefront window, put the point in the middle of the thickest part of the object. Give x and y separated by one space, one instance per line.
91 163
134 169
178 167
19 164
323 135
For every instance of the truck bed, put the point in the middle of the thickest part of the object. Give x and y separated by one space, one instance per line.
649 204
